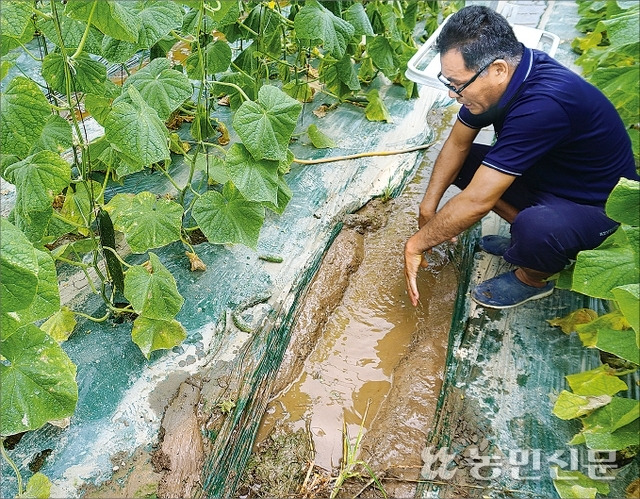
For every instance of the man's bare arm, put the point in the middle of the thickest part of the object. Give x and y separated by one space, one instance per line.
446 168
457 215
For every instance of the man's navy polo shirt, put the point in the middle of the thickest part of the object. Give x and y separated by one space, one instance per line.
558 132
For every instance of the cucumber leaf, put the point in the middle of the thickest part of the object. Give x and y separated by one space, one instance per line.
47 298
284 196
78 204
599 381
135 130
228 218
618 413
8 325
576 485
316 23
60 325
319 139
147 222
157 19
163 88
35 224
37 381
376 109
347 73
38 487
56 136
72 31
299 90
19 268
25 110
615 84
216 59
119 51
15 17
569 323
38 178
88 75
619 343
381 53
588 332
628 297
266 126
570 406
152 290
625 194
620 439
115 19
614 263
256 180
357 17
155 334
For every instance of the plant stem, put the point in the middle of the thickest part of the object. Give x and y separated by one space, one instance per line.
279 61
57 215
188 244
72 262
29 54
89 317
240 23
286 21
240 70
105 183
85 35
361 155
374 479
211 9
114 252
349 454
208 144
170 178
83 267
68 90
229 84
44 15
6 457
181 38
201 88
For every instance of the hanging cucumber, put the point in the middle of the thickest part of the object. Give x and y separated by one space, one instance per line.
108 240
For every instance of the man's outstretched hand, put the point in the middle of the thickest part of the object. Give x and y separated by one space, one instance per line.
413 260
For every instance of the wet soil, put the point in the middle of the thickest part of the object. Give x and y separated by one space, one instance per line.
360 357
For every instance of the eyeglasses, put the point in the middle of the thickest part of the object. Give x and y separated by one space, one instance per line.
459 90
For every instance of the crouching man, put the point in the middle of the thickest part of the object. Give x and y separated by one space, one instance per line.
560 149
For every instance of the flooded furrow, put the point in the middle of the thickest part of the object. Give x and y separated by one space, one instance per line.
359 347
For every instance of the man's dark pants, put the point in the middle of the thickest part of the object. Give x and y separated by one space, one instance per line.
549 231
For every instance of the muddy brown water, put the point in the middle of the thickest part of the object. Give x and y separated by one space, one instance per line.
368 350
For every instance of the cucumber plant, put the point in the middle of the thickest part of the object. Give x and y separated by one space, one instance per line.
262 59
609 272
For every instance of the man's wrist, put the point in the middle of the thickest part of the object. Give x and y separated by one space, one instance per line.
414 246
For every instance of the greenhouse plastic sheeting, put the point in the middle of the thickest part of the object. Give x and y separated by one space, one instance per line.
120 407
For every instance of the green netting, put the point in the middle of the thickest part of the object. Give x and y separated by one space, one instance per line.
494 433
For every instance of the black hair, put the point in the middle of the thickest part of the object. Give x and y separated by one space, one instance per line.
481 35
